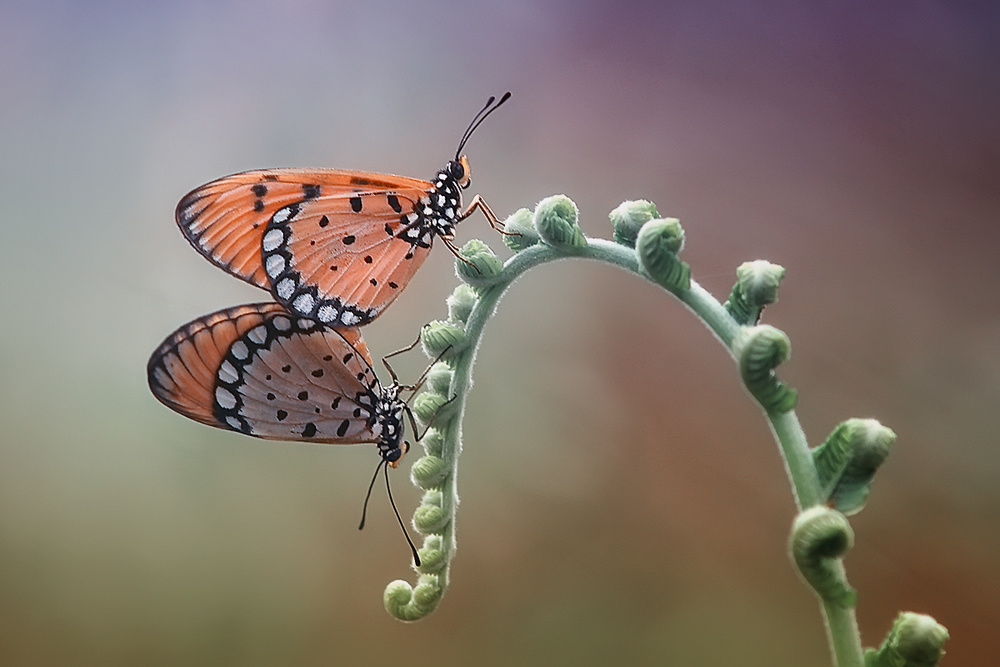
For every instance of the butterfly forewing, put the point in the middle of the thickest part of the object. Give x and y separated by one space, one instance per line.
259 370
225 220
182 371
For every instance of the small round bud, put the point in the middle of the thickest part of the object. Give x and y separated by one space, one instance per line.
759 281
478 265
556 221
430 407
847 461
919 639
428 592
432 442
756 286
432 557
430 517
429 472
438 337
460 303
439 378
656 246
520 232
629 217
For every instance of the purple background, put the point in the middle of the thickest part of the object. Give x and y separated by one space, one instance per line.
622 501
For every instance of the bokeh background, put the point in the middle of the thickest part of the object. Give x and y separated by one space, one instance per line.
622 500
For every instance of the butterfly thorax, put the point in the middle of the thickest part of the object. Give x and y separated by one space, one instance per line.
437 212
387 415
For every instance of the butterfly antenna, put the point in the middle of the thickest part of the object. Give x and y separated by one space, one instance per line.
364 510
416 557
385 466
479 118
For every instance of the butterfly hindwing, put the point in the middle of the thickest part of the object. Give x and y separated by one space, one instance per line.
259 370
302 384
324 265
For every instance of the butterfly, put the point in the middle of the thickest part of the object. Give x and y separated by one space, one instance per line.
333 246
259 370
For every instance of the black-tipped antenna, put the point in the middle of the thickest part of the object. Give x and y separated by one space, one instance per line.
479 118
364 510
385 465
416 556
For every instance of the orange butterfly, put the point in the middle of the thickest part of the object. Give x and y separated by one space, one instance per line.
333 246
259 370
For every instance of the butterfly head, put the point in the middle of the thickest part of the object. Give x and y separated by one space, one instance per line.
398 452
460 172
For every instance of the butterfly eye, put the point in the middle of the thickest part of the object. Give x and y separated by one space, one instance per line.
461 172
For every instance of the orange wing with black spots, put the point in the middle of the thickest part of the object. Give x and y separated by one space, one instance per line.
257 369
225 220
333 246
325 266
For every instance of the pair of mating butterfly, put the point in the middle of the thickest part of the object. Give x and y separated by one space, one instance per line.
334 248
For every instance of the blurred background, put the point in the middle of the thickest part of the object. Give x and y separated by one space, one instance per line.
622 499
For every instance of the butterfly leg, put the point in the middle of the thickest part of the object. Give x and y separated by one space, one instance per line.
415 387
403 349
480 203
385 359
447 240
430 422
423 376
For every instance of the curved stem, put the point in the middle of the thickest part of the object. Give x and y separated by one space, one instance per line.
841 623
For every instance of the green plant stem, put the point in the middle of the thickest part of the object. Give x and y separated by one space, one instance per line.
798 460
842 632
840 622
